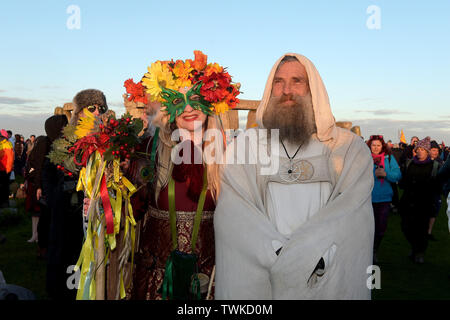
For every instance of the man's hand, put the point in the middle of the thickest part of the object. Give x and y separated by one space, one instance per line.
125 164
86 203
38 193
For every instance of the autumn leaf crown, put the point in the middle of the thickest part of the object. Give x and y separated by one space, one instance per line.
216 85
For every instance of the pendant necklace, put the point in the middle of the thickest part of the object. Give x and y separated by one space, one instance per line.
291 172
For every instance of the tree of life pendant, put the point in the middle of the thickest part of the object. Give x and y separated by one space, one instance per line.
290 172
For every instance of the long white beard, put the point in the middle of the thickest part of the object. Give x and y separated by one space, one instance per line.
296 122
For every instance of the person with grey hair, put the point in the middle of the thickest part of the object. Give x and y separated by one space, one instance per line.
305 229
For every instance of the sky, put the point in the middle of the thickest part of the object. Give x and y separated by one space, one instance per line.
385 64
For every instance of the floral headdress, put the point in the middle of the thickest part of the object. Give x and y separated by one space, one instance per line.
135 91
211 86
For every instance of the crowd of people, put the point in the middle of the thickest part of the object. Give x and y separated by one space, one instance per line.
16 157
418 170
43 189
282 235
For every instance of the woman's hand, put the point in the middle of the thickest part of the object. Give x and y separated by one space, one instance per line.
38 193
380 173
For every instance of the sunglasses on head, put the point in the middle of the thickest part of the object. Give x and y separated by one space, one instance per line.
378 136
101 109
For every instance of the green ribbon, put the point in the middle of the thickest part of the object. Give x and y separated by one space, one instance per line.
152 173
198 215
168 280
172 213
195 285
155 143
167 291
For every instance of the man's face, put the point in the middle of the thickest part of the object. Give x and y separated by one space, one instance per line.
290 79
422 153
414 141
434 153
32 138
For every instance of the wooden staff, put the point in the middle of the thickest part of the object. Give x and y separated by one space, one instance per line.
213 275
100 263
100 250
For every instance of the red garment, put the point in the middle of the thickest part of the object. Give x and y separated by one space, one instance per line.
378 161
31 203
6 156
156 240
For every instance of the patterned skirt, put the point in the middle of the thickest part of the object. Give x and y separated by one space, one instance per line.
155 246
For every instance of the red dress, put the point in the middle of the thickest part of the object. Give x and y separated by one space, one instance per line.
156 240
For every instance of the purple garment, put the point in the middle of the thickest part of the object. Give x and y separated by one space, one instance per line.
381 212
417 161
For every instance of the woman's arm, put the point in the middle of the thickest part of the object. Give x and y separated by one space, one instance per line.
393 173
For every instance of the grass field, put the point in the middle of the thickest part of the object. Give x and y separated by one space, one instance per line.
400 278
18 258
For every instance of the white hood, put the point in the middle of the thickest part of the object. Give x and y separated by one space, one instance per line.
325 121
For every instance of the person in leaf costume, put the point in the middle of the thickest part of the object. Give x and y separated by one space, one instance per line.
175 257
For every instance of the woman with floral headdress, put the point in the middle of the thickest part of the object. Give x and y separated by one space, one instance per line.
175 256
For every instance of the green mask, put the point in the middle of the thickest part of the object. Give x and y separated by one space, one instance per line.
177 101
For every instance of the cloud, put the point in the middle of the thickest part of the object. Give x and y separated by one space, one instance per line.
22 109
25 124
383 112
437 129
116 104
15 100
50 87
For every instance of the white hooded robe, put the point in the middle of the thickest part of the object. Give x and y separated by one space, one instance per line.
328 215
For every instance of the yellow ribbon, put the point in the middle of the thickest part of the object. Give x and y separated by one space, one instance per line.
120 190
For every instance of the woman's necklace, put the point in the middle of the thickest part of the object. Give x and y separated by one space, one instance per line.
290 172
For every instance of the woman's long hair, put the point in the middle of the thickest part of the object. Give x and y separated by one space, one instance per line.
384 147
161 121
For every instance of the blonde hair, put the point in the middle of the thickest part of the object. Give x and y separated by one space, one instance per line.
161 121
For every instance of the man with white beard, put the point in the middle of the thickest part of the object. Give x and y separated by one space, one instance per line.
304 231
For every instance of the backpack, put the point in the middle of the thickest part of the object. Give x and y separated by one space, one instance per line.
433 172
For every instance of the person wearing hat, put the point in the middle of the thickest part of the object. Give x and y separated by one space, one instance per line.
435 155
91 99
420 185
64 202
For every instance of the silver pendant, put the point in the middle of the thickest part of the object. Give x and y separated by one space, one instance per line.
301 170
290 172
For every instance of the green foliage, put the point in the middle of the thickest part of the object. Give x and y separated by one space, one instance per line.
59 154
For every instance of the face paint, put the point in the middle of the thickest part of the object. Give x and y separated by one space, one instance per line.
177 101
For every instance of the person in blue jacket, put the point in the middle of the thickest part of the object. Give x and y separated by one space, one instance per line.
385 171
